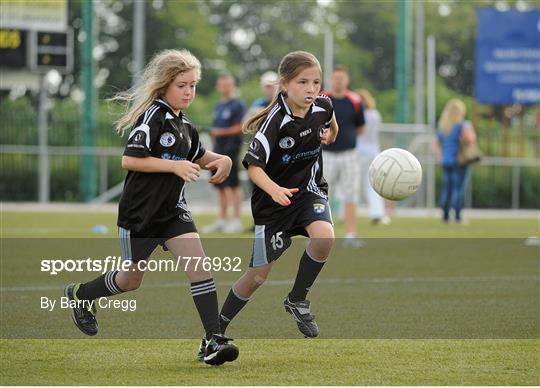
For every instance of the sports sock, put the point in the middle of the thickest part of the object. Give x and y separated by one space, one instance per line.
232 306
308 269
205 298
104 285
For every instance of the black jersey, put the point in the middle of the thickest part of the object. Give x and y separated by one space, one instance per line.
288 148
151 198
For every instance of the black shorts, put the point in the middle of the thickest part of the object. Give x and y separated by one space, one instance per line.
231 148
137 246
272 239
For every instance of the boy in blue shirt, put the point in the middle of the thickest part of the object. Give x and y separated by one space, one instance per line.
226 134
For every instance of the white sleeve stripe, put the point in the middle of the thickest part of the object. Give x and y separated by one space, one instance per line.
264 141
196 152
150 108
146 112
260 133
269 118
149 113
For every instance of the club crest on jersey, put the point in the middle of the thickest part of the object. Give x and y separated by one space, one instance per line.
186 217
318 208
167 139
286 142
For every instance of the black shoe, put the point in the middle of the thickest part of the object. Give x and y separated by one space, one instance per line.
301 312
202 350
219 350
84 316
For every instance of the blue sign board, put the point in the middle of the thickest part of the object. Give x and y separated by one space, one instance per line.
507 65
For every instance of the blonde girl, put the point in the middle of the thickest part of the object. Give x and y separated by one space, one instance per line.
163 154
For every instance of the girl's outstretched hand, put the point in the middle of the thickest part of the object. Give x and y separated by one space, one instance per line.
328 136
281 195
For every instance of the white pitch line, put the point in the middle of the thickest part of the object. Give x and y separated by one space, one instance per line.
360 281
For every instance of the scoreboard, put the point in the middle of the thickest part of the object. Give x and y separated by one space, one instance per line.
36 50
52 51
13 50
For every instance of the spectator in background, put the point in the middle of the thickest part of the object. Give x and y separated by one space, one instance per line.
269 87
451 130
226 134
341 159
367 145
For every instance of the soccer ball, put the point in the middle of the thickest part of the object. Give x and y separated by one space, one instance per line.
395 174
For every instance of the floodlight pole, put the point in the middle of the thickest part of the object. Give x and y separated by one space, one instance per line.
431 109
138 38
402 63
431 74
419 111
328 56
43 137
87 181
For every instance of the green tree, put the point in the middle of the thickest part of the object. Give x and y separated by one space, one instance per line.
257 35
370 26
169 24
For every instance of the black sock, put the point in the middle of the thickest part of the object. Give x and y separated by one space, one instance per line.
308 269
232 306
205 298
104 285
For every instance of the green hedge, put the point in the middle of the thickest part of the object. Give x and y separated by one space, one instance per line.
19 177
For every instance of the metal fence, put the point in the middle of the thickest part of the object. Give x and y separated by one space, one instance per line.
31 173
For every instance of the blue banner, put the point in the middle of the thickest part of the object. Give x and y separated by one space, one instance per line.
507 65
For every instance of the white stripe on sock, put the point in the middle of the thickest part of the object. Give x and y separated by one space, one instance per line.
109 282
204 288
239 296
320 261
204 292
198 286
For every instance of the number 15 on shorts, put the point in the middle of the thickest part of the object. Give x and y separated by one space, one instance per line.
277 241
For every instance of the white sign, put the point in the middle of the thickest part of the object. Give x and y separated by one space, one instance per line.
42 15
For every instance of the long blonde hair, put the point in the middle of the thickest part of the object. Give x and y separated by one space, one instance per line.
290 66
453 112
367 98
157 76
